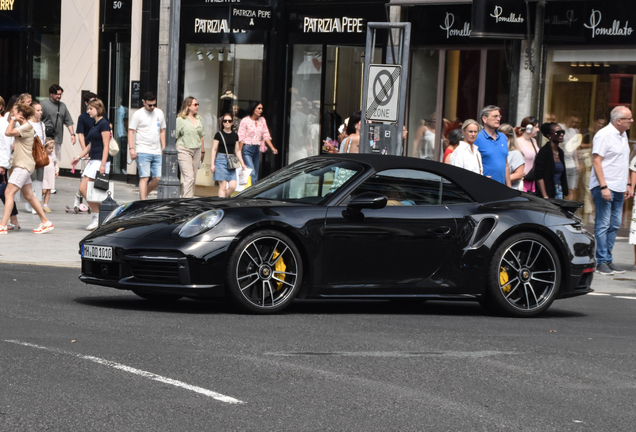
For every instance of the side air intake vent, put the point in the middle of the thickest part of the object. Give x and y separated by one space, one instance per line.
485 226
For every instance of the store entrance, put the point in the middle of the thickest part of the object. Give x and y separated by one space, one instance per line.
114 91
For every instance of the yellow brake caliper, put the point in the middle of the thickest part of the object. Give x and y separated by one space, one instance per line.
503 280
279 267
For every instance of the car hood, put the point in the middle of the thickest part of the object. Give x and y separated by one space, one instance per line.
160 218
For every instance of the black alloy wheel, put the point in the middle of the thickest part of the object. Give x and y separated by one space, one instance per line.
265 272
523 277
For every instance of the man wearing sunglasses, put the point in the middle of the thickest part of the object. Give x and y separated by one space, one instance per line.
609 184
146 141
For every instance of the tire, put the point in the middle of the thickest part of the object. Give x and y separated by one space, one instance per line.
524 276
265 272
155 297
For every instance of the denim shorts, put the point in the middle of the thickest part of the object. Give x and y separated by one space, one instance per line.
149 165
221 173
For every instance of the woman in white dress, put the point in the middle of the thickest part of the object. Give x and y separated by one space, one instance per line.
467 155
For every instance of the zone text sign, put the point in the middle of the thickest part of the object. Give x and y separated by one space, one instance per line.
383 93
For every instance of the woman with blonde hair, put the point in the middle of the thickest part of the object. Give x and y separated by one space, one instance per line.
97 140
516 158
467 155
25 99
23 167
190 147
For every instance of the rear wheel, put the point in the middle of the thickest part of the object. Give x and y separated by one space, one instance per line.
155 297
265 272
523 277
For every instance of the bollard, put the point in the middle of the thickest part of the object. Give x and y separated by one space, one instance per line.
105 207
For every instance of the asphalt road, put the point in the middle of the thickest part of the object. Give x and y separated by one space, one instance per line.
81 358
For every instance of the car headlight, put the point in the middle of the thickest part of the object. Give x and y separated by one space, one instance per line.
119 210
201 223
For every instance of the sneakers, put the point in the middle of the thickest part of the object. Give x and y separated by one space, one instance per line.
33 211
3 230
94 224
44 228
604 269
78 200
46 209
615 269
53 191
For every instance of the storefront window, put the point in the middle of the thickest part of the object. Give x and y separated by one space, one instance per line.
46 64
423 103
582 88
223 78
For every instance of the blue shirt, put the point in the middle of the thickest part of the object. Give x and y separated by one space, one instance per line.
494 154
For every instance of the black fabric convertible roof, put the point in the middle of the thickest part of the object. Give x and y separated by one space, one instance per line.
480 188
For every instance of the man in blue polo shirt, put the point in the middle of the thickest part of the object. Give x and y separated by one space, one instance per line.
493 146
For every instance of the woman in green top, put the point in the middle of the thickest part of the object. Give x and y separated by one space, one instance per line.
190 134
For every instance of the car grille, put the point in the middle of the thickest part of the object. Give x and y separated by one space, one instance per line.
164 272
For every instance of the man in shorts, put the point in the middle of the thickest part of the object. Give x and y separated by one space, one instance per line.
146 141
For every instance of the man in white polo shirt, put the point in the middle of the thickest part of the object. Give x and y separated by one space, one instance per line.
146 141
608 185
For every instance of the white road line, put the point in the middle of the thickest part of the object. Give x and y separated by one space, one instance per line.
625 297
598 294
139 372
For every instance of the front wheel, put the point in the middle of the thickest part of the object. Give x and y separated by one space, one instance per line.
523 277
265 272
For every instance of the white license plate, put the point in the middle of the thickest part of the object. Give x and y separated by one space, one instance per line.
102 253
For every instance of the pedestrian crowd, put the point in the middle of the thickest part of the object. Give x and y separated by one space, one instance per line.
512 156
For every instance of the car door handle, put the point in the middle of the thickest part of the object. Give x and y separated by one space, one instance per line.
440 230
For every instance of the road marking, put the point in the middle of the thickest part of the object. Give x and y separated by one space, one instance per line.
598 294
625 297
394 354
139 372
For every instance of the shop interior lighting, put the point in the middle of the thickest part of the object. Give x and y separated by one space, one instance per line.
581 64
221 55
588 64
210 55
230 55
606 64
200 55
597 64
573 64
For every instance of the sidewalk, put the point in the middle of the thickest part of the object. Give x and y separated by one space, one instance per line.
60 246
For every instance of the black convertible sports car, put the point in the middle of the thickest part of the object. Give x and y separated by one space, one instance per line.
349 226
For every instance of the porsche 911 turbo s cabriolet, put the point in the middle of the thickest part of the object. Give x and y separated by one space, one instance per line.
349 227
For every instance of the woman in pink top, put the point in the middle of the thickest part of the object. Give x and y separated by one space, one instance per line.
253 133
525 138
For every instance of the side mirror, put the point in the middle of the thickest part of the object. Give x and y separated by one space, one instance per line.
367 200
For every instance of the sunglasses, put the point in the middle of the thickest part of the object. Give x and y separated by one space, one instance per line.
561 132
151 105
227 121
196 104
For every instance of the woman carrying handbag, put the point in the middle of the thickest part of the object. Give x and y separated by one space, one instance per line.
226 154
23 167
254 135
97 149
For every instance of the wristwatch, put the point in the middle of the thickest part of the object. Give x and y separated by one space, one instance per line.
603 187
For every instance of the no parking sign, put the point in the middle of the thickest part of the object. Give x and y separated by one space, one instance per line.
383 93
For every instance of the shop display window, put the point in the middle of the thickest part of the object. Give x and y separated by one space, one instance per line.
422 113
582 88
224 78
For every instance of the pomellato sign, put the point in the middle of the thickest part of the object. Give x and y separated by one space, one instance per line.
590 22
441 24
499 19
449 21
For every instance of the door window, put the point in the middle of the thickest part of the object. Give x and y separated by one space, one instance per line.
406 187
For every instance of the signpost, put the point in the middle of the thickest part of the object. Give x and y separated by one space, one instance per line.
384 98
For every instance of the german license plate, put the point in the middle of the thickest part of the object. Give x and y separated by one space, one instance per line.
102 253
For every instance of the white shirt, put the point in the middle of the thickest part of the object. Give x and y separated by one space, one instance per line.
613 146
5 144
40 131
148 126
463 157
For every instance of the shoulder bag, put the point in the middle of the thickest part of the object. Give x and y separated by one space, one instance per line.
530 176
113 147
232 161
50 131
39 153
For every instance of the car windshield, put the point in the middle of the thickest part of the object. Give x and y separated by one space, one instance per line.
310 181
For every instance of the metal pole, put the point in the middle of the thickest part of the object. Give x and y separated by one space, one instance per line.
169 186
537 56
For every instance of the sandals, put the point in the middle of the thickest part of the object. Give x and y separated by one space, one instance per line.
12 227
